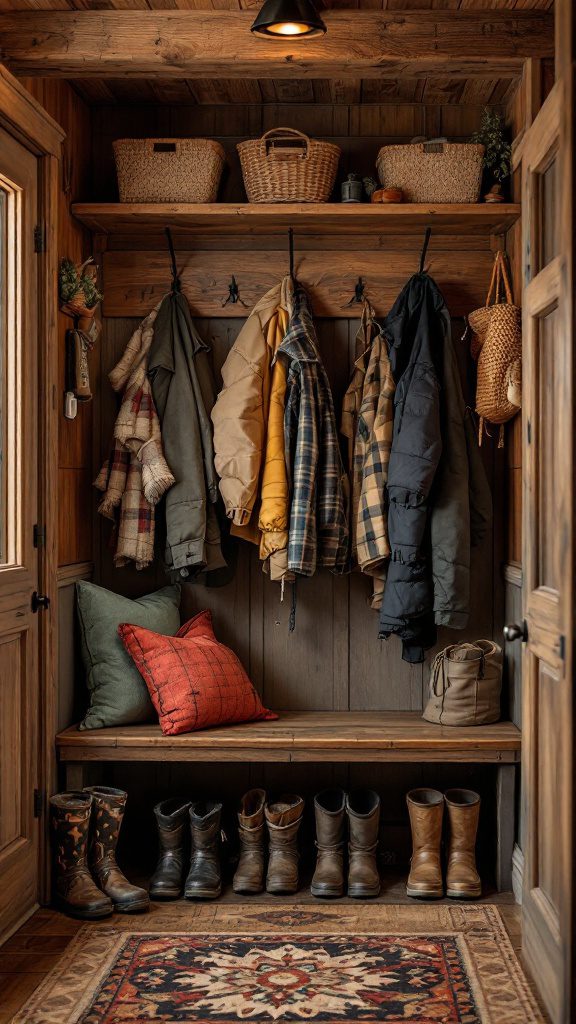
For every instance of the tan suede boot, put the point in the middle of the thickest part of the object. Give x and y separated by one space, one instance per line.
363 809
426 807
283 818
249 876
462 878
330 811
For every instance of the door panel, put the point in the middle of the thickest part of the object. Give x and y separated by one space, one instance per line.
548 551
19 690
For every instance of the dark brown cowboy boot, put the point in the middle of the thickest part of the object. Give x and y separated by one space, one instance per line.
204 881
172 821
462 878
249 876
363 809
330 812
283 818
74 888
426 809
107 814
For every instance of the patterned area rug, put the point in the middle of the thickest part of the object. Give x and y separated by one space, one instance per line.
422 965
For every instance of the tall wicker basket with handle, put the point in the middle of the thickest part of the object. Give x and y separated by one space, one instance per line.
497 345
285 166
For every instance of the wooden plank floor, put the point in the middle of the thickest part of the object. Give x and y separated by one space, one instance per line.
33 950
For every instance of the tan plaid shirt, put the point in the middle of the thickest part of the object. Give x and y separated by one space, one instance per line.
371 457
351 405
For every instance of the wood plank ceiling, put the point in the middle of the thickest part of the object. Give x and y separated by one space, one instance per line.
429 91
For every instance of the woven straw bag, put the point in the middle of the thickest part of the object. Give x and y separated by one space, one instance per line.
285 166
168 170
465 685
433 172
497 345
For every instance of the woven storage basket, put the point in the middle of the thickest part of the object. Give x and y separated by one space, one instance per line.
168 170
433 172
285 166
497 345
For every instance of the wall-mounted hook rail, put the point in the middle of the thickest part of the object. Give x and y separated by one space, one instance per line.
234 294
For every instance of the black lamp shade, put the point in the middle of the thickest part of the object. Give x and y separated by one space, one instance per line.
288 19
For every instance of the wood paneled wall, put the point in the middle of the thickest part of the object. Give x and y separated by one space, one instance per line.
359 130
333 659
75 436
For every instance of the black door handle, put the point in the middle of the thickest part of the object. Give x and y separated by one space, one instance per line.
516 631
39 601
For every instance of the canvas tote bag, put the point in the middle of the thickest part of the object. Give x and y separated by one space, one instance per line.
497 346
465 684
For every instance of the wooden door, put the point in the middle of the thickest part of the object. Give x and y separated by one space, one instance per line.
548 548
19 690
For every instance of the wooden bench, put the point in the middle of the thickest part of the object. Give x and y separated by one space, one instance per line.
313 736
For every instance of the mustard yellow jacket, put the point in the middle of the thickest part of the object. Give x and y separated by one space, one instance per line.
248 420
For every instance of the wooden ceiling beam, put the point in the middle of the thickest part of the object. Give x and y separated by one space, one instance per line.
214 44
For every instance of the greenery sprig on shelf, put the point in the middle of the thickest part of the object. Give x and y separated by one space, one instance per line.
497 149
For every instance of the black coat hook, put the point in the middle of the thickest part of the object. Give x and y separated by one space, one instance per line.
175 275
233 294
291 253
358 296
424 249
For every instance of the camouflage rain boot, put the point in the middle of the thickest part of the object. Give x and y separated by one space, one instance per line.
107 813
75 891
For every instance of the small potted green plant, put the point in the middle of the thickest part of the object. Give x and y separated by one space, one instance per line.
78 291
497 153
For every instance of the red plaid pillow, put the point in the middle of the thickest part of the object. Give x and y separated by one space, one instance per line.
194 681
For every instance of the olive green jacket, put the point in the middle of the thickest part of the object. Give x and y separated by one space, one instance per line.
184 393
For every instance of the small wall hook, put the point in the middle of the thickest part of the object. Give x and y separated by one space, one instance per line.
358 296
427 234
291 254
233 294
175 274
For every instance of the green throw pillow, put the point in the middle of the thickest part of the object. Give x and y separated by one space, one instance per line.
118 694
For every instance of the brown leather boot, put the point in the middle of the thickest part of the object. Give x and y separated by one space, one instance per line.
283 818
172 820
330 811
75 890
462 878
426 807
249 876
204 881
107 814
363 810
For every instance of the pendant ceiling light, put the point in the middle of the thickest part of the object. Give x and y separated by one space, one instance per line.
288 19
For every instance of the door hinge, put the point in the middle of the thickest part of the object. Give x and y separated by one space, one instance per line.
529 432
39 535
39 238
562 647
39 802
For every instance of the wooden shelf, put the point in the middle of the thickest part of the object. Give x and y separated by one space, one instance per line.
306 218
301 736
